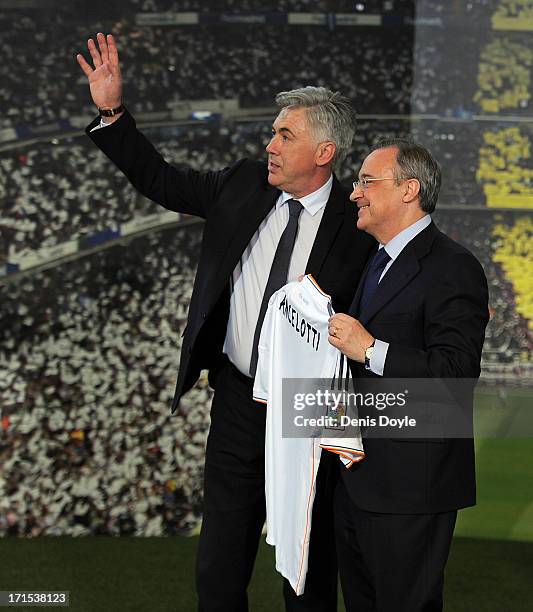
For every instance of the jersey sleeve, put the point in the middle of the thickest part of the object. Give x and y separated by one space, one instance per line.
264 363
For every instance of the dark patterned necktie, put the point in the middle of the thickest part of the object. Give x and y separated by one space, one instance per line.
278 273
377 265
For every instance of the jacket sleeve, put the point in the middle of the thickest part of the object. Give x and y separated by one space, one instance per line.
185 191
455 317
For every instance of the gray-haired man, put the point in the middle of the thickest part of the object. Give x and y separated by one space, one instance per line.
419 312
281 220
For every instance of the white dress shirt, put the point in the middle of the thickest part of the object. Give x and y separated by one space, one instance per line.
394 247
250 275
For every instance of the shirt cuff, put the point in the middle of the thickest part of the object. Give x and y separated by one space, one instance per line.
102 124
379 354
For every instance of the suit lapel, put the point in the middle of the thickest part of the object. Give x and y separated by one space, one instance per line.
328 229
398 275
402 271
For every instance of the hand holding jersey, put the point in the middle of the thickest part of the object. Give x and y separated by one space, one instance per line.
349 336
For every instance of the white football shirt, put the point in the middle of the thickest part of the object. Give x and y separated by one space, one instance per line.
294 344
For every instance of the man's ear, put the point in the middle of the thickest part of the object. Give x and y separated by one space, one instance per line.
325 153
412 190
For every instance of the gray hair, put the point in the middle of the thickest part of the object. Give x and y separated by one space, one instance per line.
415 161
330 115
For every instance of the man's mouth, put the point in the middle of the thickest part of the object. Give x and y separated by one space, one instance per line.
272 165
363 206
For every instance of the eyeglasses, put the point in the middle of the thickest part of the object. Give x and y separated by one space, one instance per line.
365 181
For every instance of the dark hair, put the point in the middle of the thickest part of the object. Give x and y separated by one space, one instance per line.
415 161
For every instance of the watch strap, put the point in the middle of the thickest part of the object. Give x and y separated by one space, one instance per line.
111 112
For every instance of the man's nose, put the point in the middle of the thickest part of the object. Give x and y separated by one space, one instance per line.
356 193
271 146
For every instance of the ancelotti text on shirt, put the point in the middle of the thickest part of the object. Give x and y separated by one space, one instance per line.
306 331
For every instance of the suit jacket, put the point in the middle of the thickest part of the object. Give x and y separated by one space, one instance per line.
233 202
432 307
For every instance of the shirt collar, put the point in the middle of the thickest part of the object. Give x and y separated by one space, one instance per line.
313 202
399 242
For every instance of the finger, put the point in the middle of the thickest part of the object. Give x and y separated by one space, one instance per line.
345 318
113 51
334 341
334 331
337 321
102 44
84 65
97 60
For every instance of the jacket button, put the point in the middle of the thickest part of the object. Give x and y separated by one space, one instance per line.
204 316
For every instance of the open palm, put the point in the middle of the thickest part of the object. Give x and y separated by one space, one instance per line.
105 81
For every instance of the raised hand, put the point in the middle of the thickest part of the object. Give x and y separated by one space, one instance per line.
105 81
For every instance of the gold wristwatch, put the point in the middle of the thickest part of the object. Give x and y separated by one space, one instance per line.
368 354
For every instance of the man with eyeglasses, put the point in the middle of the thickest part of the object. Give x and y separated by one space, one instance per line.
420 311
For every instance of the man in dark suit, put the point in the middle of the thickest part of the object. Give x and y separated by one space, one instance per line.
264 225
419 312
